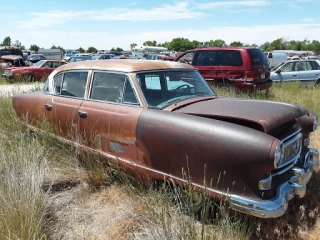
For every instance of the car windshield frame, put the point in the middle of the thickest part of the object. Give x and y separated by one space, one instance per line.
176 92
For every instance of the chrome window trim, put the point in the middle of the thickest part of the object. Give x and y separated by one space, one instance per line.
114 72
68 71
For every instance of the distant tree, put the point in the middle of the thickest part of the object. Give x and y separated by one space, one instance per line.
150 43
53 46
165 44
236 44
92 50
118 49
19 45
132 45
180 44
254 45
80 50
6 41
265 46
34 47
215 43
195 44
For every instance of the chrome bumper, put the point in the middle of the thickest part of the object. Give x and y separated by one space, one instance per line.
276 207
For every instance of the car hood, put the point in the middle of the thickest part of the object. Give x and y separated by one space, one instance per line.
261 115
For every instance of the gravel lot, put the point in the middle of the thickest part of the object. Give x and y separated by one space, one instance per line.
19 88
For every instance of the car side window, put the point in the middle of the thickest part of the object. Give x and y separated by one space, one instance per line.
152 82
108 87
310 65
129 96
300 66
57 81
55 64
71 84
187 58
288 67
46 65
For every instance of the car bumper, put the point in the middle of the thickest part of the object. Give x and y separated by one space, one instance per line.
277 206
7 76
251 86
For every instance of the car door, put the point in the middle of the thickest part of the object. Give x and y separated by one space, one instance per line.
62 107
286 73
108 119
47 68
309 73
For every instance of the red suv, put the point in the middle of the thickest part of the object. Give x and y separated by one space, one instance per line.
247 69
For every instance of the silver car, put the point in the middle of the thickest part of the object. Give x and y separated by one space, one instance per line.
305 71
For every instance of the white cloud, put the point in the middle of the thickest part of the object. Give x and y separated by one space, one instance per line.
56 17
307 20
258 34
232 4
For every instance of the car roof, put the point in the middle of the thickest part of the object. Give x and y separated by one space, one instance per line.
124 65
222 48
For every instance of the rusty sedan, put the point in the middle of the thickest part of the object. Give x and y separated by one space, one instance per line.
157 118
37 71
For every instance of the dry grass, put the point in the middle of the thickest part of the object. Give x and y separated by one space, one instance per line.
58 199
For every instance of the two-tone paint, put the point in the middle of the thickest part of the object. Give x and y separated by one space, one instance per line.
228 142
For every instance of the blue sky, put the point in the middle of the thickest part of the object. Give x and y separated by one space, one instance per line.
117 23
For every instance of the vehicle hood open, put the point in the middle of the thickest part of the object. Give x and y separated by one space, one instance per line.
261 115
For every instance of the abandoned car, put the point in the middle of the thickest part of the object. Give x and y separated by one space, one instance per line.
160 118
37 71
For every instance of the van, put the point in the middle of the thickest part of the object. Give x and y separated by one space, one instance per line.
51 54
276 58
246 69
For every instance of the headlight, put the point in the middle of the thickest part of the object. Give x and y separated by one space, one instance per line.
278 154
315 122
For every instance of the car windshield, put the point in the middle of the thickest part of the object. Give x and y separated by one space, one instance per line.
38 64
95 57
163 88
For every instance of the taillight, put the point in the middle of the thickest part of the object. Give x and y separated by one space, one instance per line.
249 76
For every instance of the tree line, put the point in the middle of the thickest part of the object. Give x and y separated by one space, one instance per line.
181 44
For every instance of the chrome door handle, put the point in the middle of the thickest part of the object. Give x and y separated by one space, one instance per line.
82 114
48 107
294 75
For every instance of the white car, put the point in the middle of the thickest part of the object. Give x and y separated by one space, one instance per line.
307 72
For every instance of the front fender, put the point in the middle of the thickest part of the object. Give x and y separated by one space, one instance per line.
236 157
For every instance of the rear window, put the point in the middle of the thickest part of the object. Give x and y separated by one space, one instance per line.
4 52
218 58
257 57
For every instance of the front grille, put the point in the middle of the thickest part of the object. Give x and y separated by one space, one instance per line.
292 146
7 72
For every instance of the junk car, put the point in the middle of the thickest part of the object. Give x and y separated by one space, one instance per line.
37 71
159 118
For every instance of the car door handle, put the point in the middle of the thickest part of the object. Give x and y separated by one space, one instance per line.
82 114
317 74
294 75
48 107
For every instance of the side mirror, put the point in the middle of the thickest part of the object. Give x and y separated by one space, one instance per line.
278 71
